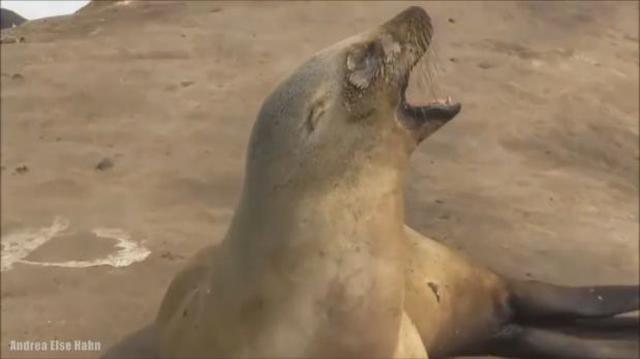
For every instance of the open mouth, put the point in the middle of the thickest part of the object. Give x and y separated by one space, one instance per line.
423 119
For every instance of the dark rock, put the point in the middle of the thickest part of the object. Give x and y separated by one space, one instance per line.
104 165
9 19
22 169
485 65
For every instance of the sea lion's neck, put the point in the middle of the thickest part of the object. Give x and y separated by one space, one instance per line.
334 254
364 210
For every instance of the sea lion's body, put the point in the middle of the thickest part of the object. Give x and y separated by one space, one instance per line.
328 292
317 261
442 289
312 264
453 301
281 337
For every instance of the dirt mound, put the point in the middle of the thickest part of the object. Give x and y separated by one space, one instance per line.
9 19
95 5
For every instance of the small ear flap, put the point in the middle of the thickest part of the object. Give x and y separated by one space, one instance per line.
364 64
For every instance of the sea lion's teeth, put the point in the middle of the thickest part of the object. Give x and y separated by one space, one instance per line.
448 100
440 101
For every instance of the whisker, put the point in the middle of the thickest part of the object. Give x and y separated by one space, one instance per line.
423 80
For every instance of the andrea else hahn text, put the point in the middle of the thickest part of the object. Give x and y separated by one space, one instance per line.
55 345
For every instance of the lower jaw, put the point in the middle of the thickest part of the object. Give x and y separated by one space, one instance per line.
418 128
411 127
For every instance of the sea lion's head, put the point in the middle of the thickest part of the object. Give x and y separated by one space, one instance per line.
344 112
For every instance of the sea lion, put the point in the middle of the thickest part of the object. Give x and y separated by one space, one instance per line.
317 261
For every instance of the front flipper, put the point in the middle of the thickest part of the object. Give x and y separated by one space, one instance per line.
529 342
409 345
535 301
551 321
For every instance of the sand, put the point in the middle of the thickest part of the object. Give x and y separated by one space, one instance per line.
127 125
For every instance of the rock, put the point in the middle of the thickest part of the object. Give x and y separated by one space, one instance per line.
9 19
11 39
22 169
105 164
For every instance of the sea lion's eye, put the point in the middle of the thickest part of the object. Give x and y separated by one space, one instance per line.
364 64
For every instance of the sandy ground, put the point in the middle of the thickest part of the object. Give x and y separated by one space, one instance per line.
127 125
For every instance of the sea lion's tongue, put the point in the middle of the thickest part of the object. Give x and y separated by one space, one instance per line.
440 109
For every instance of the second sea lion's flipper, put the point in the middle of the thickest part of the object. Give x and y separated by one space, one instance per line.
551 321
529 342
535 301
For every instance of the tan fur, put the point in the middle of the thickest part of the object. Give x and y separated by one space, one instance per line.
443 289
317 261
189 280
452 301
